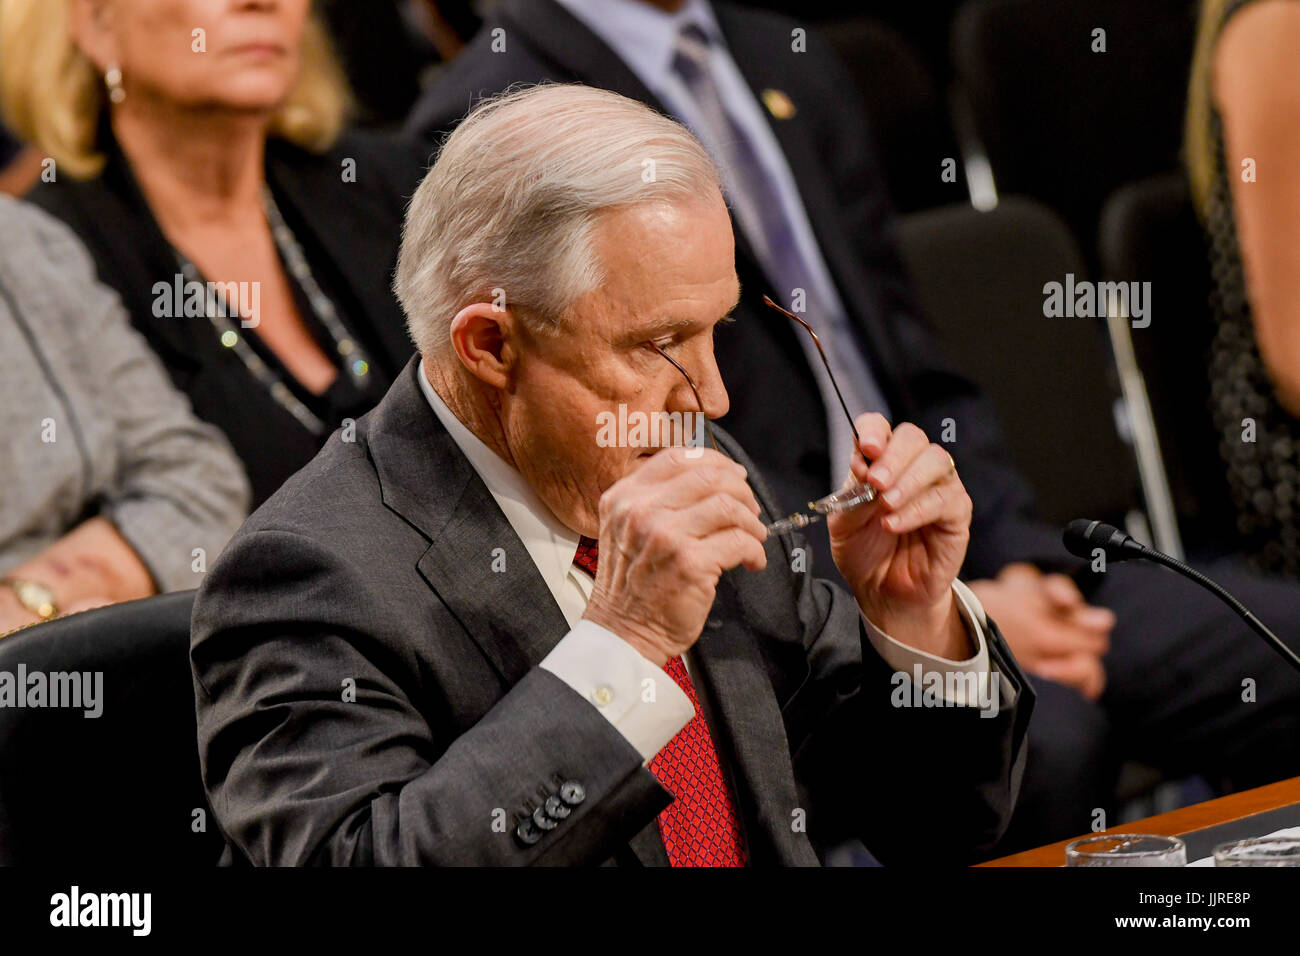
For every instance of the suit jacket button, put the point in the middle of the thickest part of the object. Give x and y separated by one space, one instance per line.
571 793
527 834
542 821
555 808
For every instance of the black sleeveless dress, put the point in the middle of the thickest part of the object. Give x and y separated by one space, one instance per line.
1264 474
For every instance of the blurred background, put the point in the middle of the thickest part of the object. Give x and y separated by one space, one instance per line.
1000 106
1019 142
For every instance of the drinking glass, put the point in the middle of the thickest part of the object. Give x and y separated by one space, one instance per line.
1126 849
1263 851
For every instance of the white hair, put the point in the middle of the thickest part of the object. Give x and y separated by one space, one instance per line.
508 209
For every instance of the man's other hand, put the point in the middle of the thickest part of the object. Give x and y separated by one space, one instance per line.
901 553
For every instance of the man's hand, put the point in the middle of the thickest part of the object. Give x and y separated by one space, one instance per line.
667 532
901 553
1049 627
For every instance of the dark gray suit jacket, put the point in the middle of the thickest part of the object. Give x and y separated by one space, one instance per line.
368 690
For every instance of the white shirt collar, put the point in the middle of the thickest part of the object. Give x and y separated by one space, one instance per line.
643 36
550 544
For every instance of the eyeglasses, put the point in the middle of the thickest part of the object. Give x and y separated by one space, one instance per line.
842 500
694 391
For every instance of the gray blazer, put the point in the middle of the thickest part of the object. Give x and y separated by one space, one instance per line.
368 691
90 422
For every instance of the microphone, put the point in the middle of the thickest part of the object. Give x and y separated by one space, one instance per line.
1083 537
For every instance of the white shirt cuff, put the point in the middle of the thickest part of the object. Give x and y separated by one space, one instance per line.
964 683
643 703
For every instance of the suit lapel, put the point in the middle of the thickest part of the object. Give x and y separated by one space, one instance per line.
747 722
648 846
510 614
424 477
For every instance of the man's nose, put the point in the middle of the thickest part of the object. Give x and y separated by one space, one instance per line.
708 382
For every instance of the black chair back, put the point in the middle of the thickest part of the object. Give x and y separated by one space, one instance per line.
980 278
119 788
906 111
1061 122
1149 232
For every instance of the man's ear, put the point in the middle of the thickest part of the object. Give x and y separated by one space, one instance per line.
91 26
483 337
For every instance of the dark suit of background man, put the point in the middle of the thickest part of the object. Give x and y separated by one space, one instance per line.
482 633
812 212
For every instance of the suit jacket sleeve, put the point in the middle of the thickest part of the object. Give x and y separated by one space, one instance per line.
932 783
936 784
314 751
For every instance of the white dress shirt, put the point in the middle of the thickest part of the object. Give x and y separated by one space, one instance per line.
642 701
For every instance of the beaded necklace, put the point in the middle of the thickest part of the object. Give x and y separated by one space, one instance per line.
219 312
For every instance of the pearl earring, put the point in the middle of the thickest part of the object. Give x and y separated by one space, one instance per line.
113 80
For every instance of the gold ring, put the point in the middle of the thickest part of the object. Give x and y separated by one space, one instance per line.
952 465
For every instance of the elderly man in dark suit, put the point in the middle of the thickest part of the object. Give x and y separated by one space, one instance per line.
489 628
1132 664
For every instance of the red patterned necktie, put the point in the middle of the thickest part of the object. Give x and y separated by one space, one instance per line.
588 554
700 827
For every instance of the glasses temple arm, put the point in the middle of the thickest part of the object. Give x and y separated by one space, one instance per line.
694 391
820 351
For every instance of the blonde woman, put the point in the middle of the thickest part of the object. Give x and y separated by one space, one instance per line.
1243 156
198 151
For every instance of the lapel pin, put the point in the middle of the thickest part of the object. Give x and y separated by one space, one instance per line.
778 104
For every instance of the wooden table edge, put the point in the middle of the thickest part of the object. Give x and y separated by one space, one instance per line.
1198 816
